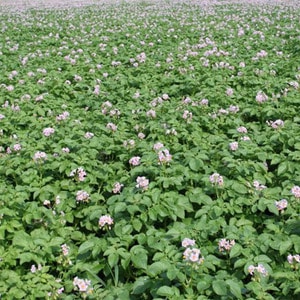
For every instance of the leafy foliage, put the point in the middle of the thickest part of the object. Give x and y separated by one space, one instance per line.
150 150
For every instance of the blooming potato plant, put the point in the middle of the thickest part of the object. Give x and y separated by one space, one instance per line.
149 149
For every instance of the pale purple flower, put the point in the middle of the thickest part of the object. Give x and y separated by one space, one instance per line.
79 174
39 156
296 191
225 245
129 144
164 156
282 204
233 109
46 202
48 131
82 196
245 138
65 150
97 90
141 57
293 259
17 147
83 285
112 127
158 146
65 249
260 269
135 161
10 88
234 146
141 135
63 116
2 116
261 97
242 129
216 179
106 220
142 182
88 135
117 187
165 96
187 100
136 95
33 269
151 113
187 115
186 242
229 92
258 186
276 124
192 255
204 102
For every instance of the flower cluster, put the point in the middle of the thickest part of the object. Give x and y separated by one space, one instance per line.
48 131
82 196
40 156
82 285
191 254
158 146
261 97
106 220
63 116
187 115
234 146
142 182
164 156
281 205
242 129
226 245
79 174
65 249
258 186
135 161
276 124
88 135
112 127
296 191
260 269
186 242
293 259
117 187
33 268
216 179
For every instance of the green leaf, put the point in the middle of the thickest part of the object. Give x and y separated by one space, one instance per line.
141 285
113 259
195 164
282 168
262 258
137 224
139 257
240 263
285 246
234 288
22 239
235 251
85 247
239 188
219 287
157 268
165 291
